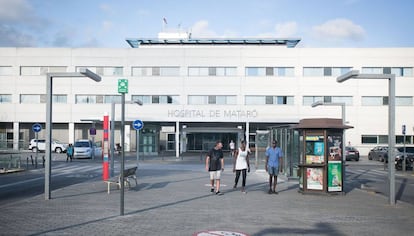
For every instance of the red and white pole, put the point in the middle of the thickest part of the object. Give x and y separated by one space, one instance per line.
105 148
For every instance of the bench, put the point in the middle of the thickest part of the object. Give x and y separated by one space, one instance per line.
128 174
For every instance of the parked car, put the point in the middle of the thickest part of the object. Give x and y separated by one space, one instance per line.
351 153
84 148
377 153
409 158
40 145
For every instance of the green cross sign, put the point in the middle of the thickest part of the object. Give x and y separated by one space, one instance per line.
122 86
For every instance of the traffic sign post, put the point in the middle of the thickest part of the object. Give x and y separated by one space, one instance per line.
122 86
122 89
403 159
138 125
36 128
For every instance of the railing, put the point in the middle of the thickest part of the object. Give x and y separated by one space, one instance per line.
10 162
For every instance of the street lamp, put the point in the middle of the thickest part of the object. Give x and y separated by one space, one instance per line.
49 91
112 138
342 104
354 74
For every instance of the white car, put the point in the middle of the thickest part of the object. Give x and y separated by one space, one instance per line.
83 148
40 145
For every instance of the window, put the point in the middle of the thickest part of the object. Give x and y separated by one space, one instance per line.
211 99
372 70
270 71
60 98
32 98
404 101
325 71
6 70
156 71
383 101
398 71
211 71
308 100
197 100
402 71
337 71
40 70
383 139
255 71
313 71
104 70
268 100
5 98
372 101
156 99
369 139
112 98
85 99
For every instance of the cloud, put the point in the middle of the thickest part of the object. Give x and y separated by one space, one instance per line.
281 30
201 30
19 24
10 37
287 29
14 10
339 29
107 26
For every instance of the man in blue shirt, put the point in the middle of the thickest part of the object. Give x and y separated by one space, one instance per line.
273 161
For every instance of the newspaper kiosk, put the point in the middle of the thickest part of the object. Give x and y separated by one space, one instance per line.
321 165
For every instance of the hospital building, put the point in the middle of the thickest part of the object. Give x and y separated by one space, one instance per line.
197 91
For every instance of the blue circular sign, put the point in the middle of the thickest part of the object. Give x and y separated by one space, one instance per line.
138 124
36 127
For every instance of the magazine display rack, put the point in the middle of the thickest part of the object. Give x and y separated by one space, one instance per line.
321 165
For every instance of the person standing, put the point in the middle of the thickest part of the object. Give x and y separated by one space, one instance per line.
241 164
273 165
69 152
215 165
232 146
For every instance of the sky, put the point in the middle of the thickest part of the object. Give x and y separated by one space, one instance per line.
107 23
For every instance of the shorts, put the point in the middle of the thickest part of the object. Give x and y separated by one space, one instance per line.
215 174
273 170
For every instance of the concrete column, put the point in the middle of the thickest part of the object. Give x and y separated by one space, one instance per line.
247 132
127 143
71 128
15 135
177 139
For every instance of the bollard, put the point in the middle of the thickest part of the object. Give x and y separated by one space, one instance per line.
43 157
31 158
27 163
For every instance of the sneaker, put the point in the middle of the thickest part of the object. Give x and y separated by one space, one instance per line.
212 190
275 192
270 191
244 191
235 186
219 193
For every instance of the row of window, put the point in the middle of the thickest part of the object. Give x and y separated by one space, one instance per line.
210 99
383 139
211 71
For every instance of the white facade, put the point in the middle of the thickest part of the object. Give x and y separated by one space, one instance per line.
212 100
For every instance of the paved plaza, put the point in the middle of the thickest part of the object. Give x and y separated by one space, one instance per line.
173 198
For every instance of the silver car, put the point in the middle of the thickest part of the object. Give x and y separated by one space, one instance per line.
84 149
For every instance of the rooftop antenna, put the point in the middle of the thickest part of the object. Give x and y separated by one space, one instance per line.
164 24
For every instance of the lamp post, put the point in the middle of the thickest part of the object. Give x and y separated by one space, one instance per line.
342 104
354 74
112 127
49 92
